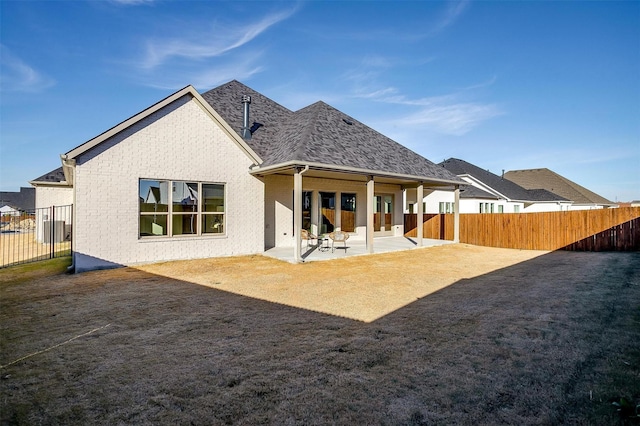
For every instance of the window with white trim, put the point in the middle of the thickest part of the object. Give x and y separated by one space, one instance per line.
446 207
177 208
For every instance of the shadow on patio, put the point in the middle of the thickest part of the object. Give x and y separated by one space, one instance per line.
315 252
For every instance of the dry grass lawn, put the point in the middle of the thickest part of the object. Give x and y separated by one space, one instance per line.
445 335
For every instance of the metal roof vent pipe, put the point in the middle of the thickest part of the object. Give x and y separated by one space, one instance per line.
246 131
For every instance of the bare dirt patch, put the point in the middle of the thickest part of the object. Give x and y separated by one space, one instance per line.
359 287
543 339
22 247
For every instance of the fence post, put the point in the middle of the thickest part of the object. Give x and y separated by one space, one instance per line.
52 232
71 229
456 214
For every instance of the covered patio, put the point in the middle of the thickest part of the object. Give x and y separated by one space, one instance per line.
377 220
353 248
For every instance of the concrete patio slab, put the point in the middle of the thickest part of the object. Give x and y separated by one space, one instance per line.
353 248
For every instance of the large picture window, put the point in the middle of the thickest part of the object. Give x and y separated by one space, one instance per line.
175 208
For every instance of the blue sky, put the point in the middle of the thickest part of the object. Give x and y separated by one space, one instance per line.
503 85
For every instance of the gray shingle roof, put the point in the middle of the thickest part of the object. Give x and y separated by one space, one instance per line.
555 183
504 186
56 175
23 200
226 100
471 191
317 133
543 195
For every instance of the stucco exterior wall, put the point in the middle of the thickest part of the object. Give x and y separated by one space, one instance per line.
546 207
472 205
279 206
585 207
179 142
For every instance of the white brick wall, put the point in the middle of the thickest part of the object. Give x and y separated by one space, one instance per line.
179 142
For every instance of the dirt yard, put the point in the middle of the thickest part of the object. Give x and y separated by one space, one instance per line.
444 335
22 247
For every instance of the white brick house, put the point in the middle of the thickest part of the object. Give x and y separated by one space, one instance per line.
54 200
186 178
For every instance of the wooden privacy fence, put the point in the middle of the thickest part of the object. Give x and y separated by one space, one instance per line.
584 230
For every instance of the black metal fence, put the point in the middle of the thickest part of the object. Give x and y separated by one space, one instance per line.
29 236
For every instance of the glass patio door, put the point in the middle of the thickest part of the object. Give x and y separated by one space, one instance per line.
382 213
327 217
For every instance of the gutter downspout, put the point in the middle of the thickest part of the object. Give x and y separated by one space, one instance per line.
297 212
69 170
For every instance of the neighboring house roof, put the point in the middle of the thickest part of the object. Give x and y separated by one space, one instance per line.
23 200
318 135
153 196
502 186
544 195
471 191
557 184
499 184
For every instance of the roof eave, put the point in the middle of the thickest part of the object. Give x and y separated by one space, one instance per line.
62 184
352 170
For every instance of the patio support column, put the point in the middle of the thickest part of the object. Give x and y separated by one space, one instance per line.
370 200
297 214
420 218
456 215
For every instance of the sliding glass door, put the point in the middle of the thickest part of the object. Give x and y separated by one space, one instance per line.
382 213
327 215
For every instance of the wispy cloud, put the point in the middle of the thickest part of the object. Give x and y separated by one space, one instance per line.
448 114
454 118
210 44
454 10
18 76
204 78
453 114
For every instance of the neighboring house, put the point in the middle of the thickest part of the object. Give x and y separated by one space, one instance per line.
53 195
442 201
490 193
232 172
12 202
8 210
545 179
634 203
15 204
53 189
